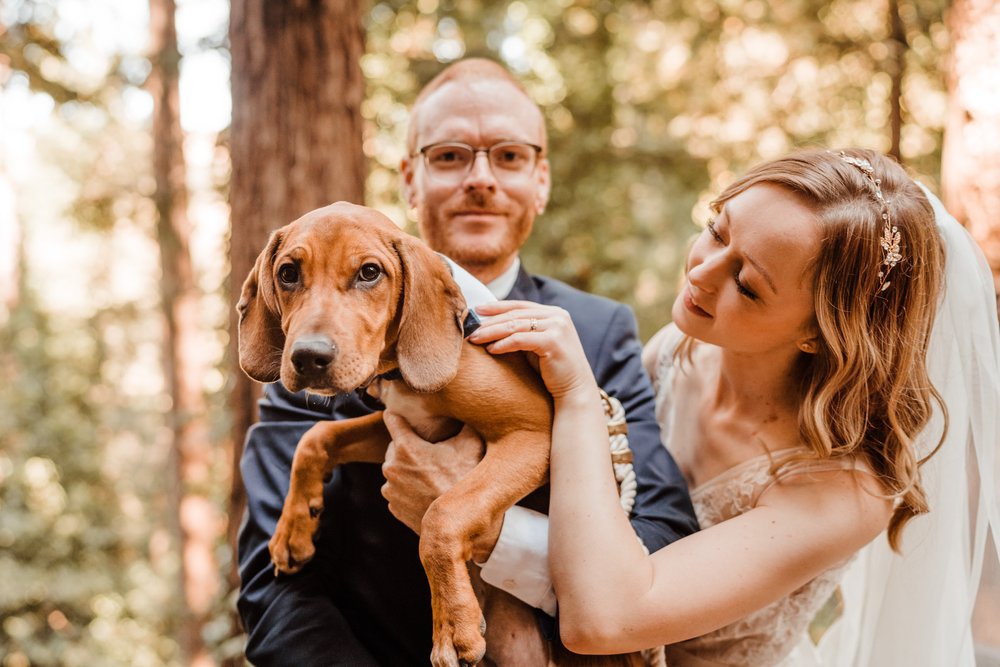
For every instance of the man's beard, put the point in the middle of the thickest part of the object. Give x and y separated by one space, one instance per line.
482 253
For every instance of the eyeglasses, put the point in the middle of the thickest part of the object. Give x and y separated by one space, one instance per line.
453 160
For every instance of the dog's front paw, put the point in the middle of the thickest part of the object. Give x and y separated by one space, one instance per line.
459 643
292 546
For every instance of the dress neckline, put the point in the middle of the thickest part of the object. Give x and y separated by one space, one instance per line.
743 465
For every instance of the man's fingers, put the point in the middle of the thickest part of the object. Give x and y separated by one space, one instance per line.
390 456
397 426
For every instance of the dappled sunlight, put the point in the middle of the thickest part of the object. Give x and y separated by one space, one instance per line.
652 107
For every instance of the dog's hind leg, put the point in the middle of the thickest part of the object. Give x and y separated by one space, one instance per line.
514 465
513 635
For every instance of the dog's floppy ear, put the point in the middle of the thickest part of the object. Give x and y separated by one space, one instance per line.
260 336
430 321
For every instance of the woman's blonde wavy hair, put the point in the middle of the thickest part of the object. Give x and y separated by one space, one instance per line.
866 390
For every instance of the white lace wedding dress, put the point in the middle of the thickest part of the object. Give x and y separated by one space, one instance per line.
778 631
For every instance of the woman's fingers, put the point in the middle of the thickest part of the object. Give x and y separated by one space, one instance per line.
507 319
547 332
498 307
493 329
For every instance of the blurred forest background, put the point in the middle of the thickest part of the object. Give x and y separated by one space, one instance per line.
133 200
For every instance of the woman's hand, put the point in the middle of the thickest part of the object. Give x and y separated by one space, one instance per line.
545 331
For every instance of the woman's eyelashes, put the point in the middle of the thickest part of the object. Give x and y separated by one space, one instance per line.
740 285
743 289
713 231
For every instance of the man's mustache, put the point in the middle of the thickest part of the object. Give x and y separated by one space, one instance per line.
477 199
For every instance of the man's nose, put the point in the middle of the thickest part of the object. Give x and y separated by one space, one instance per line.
480 176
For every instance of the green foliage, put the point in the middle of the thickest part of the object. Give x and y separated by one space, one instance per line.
653 106
76 529
87 554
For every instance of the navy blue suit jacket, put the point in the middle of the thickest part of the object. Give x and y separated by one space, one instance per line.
364 599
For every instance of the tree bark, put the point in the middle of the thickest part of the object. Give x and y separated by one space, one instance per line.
10 247
970 163
194 520
896 66
296 144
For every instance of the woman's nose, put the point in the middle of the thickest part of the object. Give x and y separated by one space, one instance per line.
704 270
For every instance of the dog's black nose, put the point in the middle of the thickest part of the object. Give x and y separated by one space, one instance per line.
312 356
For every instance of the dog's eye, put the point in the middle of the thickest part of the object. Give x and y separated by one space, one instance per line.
370 272
288 274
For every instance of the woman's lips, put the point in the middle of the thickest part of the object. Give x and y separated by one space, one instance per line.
692 306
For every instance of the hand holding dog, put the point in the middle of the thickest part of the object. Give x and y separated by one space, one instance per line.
417 472
545 331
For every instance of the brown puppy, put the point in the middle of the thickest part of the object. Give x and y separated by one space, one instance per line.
340 299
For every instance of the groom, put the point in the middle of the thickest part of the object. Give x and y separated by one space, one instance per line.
477 174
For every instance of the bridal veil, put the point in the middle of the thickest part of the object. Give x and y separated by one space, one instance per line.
915 608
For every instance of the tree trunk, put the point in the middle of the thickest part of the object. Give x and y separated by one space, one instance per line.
896 66
971 155
194 519
10 246
296 144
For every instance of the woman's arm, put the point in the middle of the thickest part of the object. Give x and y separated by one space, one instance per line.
613 600
612 597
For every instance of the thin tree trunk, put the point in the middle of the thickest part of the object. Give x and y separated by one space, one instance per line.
970 169
896 67
296 144
10 246
196 521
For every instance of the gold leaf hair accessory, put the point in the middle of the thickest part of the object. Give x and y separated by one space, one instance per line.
890 234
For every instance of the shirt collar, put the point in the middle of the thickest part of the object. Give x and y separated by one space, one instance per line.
504 283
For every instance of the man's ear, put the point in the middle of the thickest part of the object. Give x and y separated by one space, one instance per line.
406 171
261 339
544 186
430 320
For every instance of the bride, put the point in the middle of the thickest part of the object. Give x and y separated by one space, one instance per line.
825 403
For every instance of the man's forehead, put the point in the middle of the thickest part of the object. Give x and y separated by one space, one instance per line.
483 105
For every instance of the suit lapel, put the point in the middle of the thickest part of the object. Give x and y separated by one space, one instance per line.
524 288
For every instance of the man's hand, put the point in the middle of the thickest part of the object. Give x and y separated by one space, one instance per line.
417 472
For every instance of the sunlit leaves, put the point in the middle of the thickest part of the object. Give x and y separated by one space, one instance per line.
653 106
78 588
